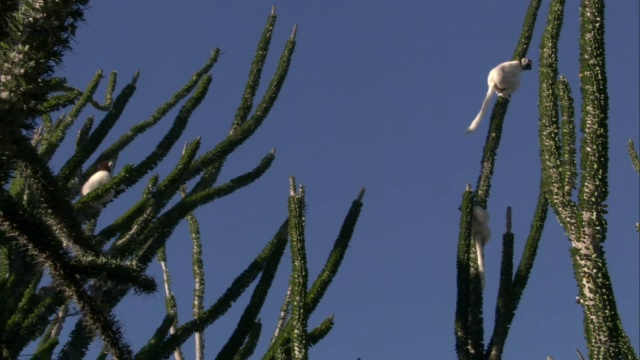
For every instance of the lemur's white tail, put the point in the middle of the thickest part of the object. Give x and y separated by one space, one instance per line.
483 109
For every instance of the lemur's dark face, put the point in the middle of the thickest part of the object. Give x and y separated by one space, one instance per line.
105 165
526 64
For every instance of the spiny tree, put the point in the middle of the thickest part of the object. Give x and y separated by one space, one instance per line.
46 228
582 216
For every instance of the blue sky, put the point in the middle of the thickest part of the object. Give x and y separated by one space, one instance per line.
379 95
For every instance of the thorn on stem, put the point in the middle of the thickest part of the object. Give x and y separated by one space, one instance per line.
292 186
361 193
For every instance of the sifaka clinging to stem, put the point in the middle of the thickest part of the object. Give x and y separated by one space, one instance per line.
100 177
480 234
504 79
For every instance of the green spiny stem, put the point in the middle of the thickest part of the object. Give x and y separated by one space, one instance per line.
299 273
21 273
54 140
198 274
115 271
158 336
633 155
255 73
37 37
126 225
602 323
527 29
70 168
163 226
170 300
249 317
337 254
83 134
530 251
250 344
463 265
511 291
167 142
56 260
224 303
487 164
170 185
584 223
282 339
57 102
549 129
55 328
233 141
314 336
61 212
111 86
503 304
159 114
32 326
569 169
18 330
147 208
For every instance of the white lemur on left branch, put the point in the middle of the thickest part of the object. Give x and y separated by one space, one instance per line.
504 79
100 177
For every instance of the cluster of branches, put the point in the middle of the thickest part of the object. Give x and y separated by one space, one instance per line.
583 219
46 228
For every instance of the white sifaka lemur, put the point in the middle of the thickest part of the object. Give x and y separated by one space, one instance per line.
480 234
100 177
504 79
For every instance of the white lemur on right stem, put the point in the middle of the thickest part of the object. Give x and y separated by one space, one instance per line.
504 79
